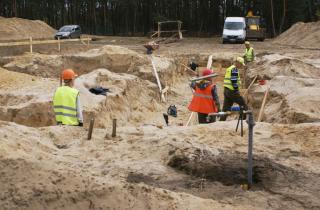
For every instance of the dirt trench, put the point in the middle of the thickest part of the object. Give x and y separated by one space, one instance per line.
220 176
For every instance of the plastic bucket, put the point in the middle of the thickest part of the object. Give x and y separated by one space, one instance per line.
262 82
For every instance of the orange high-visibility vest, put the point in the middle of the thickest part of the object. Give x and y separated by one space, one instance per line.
202 101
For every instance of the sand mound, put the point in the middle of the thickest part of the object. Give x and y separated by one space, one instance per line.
115 58
301 34
56 167
294 89
17 28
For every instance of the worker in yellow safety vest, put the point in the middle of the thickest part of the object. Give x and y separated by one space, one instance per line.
232 83
66 101
249 53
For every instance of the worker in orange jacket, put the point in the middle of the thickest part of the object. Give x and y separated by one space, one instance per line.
205 98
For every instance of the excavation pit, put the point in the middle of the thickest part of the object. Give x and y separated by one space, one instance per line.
231 170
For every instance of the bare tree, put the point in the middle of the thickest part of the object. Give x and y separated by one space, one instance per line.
283 15
272 19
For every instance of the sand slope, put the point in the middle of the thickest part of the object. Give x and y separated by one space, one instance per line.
17 28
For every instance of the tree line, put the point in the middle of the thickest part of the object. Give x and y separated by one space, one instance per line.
140 17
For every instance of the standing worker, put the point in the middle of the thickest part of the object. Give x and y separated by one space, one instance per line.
249 53
205 98
66 101
231 85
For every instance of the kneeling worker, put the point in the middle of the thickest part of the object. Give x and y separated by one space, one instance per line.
66 101
231 85
205 98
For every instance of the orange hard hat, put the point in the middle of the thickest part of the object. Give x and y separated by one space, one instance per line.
68 74
207 72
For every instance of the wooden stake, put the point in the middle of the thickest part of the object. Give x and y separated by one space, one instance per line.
90 128
254 79
263 105
114 128
59 45
209 63
31 50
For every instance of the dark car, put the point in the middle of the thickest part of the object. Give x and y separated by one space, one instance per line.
68 32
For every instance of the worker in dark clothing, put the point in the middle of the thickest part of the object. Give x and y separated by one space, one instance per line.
193 66
205 98
231 85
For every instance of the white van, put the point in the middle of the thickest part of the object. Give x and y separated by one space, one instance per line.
234 30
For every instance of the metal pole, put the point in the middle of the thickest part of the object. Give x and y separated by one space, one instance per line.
251 124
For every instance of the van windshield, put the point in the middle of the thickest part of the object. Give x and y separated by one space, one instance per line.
233 25
65 29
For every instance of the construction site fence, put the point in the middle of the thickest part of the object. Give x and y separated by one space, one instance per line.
31 42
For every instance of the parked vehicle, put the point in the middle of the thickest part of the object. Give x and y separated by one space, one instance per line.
68 32
234 30
255 28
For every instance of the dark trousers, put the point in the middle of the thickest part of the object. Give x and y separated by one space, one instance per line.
202 118
231 97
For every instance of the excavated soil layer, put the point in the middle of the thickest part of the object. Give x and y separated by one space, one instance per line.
217 176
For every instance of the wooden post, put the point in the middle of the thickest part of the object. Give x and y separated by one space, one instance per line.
90 128
114 128
179 30
166 93
263 105
209 63
59 45
31 50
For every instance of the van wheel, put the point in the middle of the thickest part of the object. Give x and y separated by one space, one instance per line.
223 42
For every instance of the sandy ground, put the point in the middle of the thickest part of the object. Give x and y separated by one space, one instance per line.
149 165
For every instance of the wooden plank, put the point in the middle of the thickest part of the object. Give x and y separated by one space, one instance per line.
186 67
154 34
175 31
204 77
209 63
8 44
254 79
189 120
162 98
263 105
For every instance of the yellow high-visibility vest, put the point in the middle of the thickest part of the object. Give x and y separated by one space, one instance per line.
65 105
227 78
248 56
